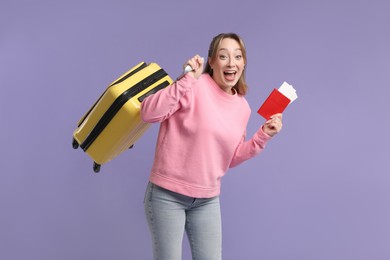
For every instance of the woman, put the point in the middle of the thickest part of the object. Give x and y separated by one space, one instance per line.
202 134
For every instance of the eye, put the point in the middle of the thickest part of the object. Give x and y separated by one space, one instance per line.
222 57
238 57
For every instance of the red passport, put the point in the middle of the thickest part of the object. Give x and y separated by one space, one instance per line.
275 103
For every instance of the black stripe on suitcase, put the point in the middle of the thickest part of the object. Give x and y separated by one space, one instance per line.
120 101
142 66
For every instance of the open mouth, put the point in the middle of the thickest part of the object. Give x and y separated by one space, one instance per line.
230 75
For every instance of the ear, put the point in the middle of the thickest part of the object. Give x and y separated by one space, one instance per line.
210 61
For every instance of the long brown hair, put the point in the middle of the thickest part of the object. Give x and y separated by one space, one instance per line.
241 86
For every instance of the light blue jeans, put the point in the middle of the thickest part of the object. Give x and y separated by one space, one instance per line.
169 214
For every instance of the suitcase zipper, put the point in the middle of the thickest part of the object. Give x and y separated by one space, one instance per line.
119 102
154 90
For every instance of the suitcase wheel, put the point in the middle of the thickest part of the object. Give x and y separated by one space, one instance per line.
96 167
75 144
131 146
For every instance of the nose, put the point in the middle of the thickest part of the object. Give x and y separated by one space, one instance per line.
231 61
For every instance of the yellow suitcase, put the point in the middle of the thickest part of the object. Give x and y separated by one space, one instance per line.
113 124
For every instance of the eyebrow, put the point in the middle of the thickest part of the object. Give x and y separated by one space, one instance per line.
225 49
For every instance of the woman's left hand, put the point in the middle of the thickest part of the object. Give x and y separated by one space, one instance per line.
273 126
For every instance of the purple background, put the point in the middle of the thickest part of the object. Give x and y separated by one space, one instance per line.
319 192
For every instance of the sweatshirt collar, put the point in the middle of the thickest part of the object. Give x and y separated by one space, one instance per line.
219 91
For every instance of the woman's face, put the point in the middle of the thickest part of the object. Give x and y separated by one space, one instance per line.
227 64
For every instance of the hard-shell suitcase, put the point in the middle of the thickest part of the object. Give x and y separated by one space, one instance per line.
113 124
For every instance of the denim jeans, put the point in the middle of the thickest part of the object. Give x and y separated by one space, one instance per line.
169 214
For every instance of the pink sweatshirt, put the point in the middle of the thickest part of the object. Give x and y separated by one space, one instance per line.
202 134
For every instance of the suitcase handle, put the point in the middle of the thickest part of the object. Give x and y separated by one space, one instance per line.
187 69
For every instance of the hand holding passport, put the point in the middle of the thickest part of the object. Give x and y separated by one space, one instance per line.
278 100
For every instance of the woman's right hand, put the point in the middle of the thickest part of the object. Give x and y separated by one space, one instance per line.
196 64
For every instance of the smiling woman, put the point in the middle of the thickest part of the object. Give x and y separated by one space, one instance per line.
227 55
203 116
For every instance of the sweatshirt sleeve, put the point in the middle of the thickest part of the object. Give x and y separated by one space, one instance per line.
164 103
248 149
